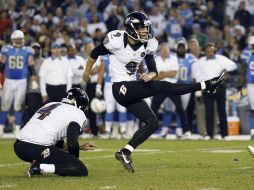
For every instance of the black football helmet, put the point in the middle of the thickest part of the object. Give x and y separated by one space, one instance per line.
78 98
135 21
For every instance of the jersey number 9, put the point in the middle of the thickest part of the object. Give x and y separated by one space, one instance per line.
16 62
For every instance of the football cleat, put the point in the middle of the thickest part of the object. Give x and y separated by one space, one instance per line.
34 169
125 159
251 150
215 82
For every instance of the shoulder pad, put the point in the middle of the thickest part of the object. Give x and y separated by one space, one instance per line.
191 58
6 48
114 40
152 46
29 49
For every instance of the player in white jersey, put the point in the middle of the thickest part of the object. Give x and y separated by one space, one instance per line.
41 140
127 49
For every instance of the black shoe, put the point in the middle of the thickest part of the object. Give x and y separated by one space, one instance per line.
34 169
215 82
125 159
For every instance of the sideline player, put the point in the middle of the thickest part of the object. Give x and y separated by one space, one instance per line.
18 61
127 50
111 104
41 140
247 76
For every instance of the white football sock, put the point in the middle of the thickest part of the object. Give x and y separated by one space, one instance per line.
129 147
47 168
203 85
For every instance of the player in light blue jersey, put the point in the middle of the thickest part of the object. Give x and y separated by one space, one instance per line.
247 76
185 62
111 105
17 62
246 53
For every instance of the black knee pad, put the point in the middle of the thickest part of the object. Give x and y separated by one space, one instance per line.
153 123
80 169
76 168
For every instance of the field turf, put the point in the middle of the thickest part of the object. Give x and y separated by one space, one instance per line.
159 164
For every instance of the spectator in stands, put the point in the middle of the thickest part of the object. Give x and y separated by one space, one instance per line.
58 15
174 26
42 16
215 13
199 35
243 15
32 8
203 18
35 27
96 24
93 12
110 8
5 22
159 23
186 12
84 7
70 19
115 18
240 36
213 33
55 76
98 36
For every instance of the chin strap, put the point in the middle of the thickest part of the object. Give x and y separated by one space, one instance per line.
68 101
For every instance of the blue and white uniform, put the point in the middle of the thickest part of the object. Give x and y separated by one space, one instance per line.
184 75
250 89
245 55
111 104
15 84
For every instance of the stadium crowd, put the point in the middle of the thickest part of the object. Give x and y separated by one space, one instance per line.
63 34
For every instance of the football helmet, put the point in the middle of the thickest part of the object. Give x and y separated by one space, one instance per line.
78 98
138 26
98 106
18 38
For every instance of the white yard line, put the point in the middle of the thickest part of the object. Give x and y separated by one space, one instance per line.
108 187
8 186
163 152
142 152
243 168
9 165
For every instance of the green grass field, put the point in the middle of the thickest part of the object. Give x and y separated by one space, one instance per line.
159 164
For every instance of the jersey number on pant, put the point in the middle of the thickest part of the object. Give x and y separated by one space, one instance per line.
47 110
